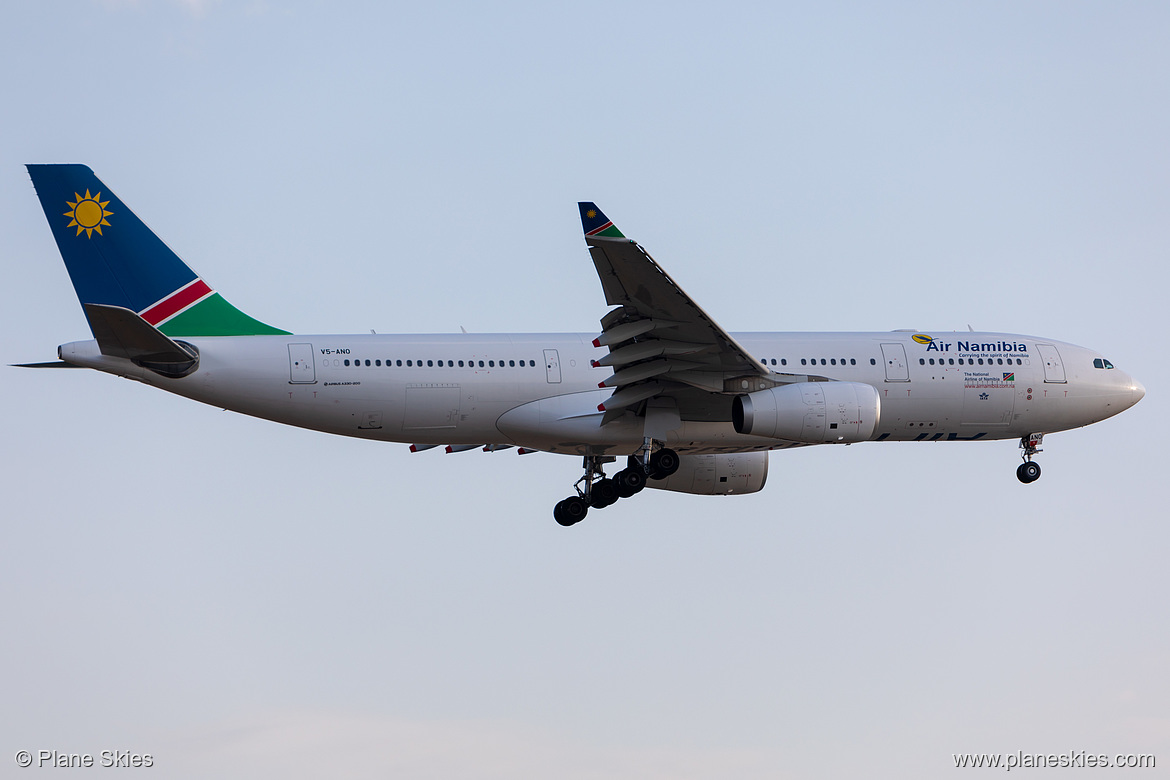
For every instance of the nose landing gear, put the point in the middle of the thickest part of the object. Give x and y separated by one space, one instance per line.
1028 471
598 491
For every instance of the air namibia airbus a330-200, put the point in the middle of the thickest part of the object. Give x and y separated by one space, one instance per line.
686 405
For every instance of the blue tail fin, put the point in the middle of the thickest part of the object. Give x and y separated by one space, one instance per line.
115 260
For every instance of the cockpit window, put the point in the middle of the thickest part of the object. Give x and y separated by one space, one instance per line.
1101 363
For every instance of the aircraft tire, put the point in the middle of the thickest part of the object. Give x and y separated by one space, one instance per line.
630 481
664 463
573 510
1028 472
559 514
604 493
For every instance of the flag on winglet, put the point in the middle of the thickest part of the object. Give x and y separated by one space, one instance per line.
595 223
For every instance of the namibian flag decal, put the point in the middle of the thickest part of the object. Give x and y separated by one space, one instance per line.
180 300
1009 377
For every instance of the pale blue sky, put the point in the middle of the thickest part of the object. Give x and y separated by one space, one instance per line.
247 600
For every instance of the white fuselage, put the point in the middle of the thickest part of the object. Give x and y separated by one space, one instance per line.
540 391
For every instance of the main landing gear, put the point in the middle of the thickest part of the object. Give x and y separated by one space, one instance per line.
1029 471
599 491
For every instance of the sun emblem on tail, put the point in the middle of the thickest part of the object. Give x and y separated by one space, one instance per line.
88 213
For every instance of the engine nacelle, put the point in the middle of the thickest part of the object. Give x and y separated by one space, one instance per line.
717 475
812 412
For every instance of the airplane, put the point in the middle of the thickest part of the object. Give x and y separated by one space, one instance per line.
689 407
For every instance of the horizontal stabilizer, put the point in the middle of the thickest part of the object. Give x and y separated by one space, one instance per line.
122 333
52 364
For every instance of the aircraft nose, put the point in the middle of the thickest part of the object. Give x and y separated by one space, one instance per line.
1137 391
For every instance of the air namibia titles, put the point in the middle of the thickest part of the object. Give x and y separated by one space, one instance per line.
975 346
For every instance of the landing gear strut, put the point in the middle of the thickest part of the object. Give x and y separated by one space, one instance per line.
599 491
1029 471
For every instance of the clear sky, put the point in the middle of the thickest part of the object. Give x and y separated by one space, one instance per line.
245 600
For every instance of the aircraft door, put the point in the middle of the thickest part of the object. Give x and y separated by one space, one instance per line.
300 365
552 366
1053 368
897 369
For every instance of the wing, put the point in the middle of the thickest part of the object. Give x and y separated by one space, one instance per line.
662 343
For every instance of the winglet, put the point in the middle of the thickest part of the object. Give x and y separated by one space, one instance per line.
595 223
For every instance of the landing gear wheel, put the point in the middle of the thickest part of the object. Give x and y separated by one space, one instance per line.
1028 472
570 511
663 463
630 481
559 515
603 493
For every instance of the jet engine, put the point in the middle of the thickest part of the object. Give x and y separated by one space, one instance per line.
717 475
812 412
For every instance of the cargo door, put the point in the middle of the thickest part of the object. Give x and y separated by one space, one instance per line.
431 406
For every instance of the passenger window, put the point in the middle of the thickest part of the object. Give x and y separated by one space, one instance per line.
347 362
803 362
872 361
922 361
822 361
377 362
783 361
367 362
852 361
461 364
491 364
511 364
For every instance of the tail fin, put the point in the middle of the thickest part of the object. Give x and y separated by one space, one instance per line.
115 260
